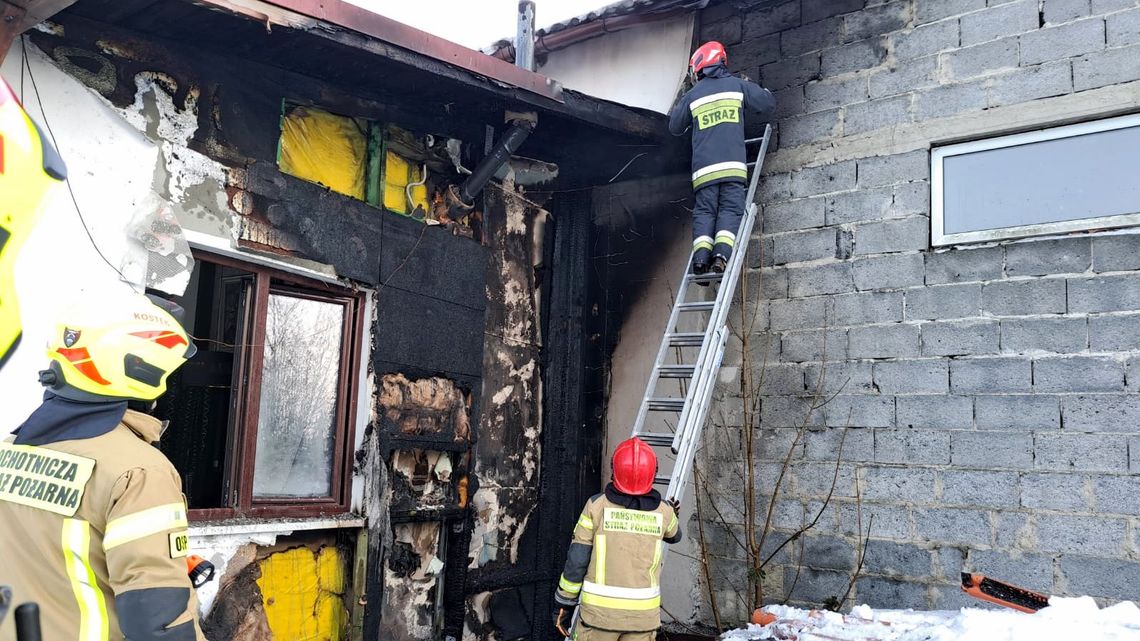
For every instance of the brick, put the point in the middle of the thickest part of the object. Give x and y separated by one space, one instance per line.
904 78
926 40
811 37
811 345
935 412
914 447
1123 28
883 341
1032 83
813 11
1065 41
1117 495
858 445
1030 413
833 278
797 314
877 114
1024 297
1046 257
727 32
858 205
867 307
1105 68
1078 374
997 22
1080 452
824 179
903 234
990 375
1114 333
801 130
856 56
970 62
931 11
1013 530
926 376
943 301
953 525
991 450
1061 335
787 72
896 484
887 272
951 99
829 94
1077 534
815 586
1058 11
1116 253
875 21
964 265
859 411
1030 571
956 338
980 489
1104 294
1101 413
800 246
896 559
878 171
846 377
1062 492
1113 578
772 20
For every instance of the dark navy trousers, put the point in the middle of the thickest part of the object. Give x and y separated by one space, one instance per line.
716 219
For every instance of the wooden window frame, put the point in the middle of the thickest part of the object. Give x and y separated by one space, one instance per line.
244 407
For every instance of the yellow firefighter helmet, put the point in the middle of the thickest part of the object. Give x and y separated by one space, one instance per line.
121 348
29 167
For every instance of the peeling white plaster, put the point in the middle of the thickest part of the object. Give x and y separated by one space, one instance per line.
219 550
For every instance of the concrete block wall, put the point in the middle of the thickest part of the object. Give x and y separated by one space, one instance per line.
991 392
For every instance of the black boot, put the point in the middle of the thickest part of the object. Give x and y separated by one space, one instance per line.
719 263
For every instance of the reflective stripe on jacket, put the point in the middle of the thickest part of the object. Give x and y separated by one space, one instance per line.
94 530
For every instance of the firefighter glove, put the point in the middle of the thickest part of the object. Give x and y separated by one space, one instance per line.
563 614
676 505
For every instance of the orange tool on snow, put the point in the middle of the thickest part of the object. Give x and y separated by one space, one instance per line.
982 587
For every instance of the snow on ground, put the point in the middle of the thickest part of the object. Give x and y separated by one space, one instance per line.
1066 619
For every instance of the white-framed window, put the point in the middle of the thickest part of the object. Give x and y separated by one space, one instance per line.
1063 179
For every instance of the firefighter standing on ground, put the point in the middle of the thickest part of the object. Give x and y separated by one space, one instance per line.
92 519
713 108
613 568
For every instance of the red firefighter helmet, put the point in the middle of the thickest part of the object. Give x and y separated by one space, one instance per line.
635 465
709 54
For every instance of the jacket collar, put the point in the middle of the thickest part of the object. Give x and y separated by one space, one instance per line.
646 502
146 427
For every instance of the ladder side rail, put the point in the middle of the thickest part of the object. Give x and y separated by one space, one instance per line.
662 352
686 456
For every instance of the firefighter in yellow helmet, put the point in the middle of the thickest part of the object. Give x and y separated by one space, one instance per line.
92 519
29 167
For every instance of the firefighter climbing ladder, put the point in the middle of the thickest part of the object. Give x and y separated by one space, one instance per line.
693 408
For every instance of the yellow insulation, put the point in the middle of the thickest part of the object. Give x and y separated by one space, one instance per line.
324 148
398 173
303 594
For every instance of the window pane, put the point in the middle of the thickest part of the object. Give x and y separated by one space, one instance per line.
296 427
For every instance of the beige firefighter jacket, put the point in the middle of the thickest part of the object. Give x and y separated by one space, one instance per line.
94 530
621 588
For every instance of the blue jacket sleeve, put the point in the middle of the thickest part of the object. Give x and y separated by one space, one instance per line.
679 117
758 100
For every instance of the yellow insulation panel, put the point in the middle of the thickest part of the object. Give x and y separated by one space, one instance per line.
398 174
303 593
324 148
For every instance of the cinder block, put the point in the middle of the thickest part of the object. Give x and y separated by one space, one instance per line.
905 77
883 341
935 412
888 272
875 21
867 307
1116 253
914 447
782 378
811 37
897 559
1119 413
775 444
788 72
1113 578
952 99
801 130
726 32
802 213
802 246
798 313
926 40
879 592
1065 41
906 485
1104 68
931 11
815 586
1017 412
996 450
926 376
1104 293
1013 530
846 377
856 56
1132 373
1032 83
858 445
980 489
812 181
1080 452
813 480
1030 571
1058 11
828 553
815 345
813 11
772 20
1078 374
1061 335
970 62
1134 454
1117 495
878 171
891 522
1000 21
1081 534
832 278
903 234
1061 492
1046 257
859 411
877 114
1107 6
1024 297
1123 28
788 411
991 375
964 265
789 102
943 301
954 525
829 94
749 56
911 198
955 338
773 283
774 188
858 205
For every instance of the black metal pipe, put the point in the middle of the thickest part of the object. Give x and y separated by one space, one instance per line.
507 145
28 623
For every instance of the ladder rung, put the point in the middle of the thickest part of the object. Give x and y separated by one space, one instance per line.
661 480
685 339
711 277
676 371
656 439
749 141
699 306
666 404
